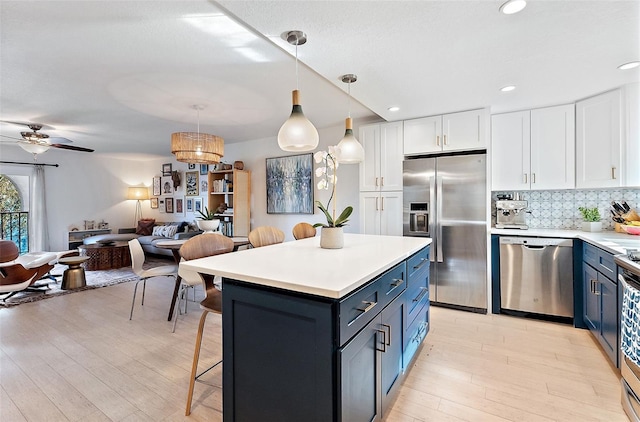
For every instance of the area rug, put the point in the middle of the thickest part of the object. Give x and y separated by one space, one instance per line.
95 280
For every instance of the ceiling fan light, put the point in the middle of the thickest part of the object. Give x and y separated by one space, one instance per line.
513 6
197 148
34 147
297 133
351 151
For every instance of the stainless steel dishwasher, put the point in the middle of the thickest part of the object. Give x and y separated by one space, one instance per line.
536 275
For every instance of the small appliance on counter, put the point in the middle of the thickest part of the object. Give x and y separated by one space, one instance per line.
510 214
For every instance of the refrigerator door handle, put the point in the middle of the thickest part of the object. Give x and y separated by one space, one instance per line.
432 227
440 257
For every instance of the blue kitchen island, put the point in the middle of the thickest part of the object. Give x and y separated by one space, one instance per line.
312 334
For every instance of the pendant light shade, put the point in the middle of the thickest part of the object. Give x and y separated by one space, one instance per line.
196 147
351 151
297 134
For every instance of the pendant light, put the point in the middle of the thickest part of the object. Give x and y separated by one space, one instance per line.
297 133
351 152
196 147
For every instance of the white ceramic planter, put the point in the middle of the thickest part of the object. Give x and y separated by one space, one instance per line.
591 226
332 238
208 226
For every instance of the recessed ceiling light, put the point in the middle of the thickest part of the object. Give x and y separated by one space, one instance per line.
629 65
508 88
394 108
513 6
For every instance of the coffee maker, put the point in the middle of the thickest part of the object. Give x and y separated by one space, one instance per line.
510 214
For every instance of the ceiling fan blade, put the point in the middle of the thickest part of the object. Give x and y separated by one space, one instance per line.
72 147
58 140
42 126
11 137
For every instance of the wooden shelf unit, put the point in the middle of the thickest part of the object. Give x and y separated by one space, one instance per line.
236 193
77 236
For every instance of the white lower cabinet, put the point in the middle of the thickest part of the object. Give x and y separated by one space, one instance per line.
381 213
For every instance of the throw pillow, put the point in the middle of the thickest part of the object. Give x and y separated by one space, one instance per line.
145 226
170 231
159 230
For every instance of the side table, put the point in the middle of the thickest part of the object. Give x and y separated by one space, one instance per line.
106 256
73 277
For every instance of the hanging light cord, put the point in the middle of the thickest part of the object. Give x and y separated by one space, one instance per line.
349 100
297 41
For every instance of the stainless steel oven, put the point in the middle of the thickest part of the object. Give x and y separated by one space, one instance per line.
629 278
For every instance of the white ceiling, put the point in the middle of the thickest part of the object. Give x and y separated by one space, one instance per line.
122 76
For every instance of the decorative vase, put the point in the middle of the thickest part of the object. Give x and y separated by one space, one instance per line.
208 226
591 226
331 238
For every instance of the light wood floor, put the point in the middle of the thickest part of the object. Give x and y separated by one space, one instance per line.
78 358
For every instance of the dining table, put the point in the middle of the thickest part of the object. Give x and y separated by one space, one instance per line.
174 246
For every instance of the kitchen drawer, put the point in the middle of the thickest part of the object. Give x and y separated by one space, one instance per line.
600 260
415 302
415 333
418 262
359 308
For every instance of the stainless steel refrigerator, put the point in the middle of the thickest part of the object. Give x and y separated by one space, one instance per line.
444 198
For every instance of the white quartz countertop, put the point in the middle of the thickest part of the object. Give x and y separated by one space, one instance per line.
302 266
610 241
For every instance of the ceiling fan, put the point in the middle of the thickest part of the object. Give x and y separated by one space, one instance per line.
37 142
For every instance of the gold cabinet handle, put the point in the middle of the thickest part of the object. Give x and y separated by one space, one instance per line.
533 177
376 204
445 140
525 178
382 181
376 181
382 201
438 140
613 173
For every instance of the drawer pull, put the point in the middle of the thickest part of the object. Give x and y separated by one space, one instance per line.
421 295
396 282
368 307
421 264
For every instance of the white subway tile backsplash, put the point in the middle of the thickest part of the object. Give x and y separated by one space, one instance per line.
559 209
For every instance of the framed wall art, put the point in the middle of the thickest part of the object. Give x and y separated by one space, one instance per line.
197 204
192 166
156 186
166 186
204 169
179 209
204 186
154 203
168 205
290 184
191 183
189 205
166 169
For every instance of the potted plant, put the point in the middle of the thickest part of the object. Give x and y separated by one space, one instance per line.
591 218
207 221
331 236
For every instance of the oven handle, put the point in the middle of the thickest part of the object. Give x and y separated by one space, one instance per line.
626 402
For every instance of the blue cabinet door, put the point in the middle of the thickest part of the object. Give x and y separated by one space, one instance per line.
609 308
591 300
392 324
360 375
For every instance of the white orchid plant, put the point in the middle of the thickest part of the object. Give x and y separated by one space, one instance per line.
327 175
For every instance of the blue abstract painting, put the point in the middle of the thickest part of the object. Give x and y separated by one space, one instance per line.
290 184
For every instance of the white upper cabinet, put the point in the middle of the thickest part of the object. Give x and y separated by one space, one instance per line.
381 169
533 149
448 132
553 148
510 146
598 145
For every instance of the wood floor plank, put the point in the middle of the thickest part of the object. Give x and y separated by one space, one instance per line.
472 367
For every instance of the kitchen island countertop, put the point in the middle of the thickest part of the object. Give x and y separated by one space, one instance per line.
302 266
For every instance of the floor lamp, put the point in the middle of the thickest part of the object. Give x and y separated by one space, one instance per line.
139 193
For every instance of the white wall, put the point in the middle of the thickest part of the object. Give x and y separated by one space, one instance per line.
254 155
90 186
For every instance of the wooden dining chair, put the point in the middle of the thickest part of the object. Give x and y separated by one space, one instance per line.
303 230
265 235
207 244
